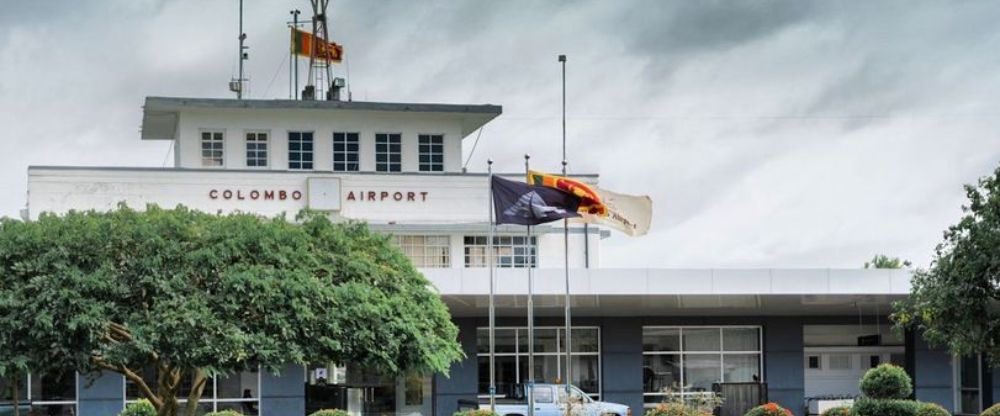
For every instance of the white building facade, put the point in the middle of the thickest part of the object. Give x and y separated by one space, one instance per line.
795 334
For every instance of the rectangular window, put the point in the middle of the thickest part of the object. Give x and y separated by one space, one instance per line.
511 359
345 152
41 394
257 149
388 152
212 145
239 392
508 251
425 250
431 152
300 150
968 385
687 361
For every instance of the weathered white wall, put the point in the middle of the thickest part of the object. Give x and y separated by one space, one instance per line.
323 123
449 204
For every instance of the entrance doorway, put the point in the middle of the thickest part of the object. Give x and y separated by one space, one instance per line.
365 393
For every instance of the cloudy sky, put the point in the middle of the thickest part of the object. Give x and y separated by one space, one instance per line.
768 133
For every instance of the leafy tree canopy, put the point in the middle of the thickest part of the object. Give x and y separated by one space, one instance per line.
954 303
170 297
882 261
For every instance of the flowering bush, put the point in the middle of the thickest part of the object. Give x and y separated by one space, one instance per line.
224 413
769 409
329 412
675 409
991 411
140 408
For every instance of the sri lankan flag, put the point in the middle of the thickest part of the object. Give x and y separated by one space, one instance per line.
629 214
305 44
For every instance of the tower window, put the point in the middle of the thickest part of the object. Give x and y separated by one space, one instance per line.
212 145
345 152
300 150
256 149
388 152
431 152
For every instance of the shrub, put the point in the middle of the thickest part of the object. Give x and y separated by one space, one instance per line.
931 409
140 408
886 381
474 412
885 407
839 411
227 412
675 409
991 411
769 409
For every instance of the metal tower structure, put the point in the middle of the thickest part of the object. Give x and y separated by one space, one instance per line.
320 71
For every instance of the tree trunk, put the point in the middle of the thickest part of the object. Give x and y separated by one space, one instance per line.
198 381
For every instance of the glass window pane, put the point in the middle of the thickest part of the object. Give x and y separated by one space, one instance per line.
741 368
586 375
660 372
545 340
56 387
241 385
584 340
502 337
661 339
701 371
701 339
740 339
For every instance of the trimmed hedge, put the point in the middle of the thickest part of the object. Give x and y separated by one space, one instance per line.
991 411
886 381
330 412
884 407
140 408
931 409
837 411
475 412
769 409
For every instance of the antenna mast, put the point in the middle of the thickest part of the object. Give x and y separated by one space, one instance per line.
236 85
320 71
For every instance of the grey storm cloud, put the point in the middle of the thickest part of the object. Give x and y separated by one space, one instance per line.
768 133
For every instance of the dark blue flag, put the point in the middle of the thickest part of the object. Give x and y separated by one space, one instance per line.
519 203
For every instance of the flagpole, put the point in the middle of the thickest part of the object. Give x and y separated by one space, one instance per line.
569 328
489 263
531 316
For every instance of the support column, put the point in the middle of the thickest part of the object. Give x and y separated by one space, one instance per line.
463 379
621 362
783 357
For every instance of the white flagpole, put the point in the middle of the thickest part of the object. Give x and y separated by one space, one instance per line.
531 317
569 329
489 263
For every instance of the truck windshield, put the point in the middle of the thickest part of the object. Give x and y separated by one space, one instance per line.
574 392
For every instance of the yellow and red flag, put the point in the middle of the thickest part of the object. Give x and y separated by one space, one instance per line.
305 44
629 214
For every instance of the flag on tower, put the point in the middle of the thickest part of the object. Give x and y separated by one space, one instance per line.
629 214
519 203
303 43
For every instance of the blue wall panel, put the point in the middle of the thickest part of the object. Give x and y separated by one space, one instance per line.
783 357
285 393
463 379
933 375
621 362
102 395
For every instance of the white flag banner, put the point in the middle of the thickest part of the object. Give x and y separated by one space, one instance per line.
629 214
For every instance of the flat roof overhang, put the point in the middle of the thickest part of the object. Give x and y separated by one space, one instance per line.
676 292
161 114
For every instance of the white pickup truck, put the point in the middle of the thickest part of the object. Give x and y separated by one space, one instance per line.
551 399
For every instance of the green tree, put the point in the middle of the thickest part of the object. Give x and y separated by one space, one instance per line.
954 302
882 261
169 298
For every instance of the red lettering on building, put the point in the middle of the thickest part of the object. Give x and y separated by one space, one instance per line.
254 194
227 194
296 195
350 196
214 194
268 194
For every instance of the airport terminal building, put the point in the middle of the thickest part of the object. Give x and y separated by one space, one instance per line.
798 336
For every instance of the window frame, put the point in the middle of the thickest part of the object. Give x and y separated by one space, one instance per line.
267 148
345 152
397 239
430 164
721 353
222 148
311 152
559 352
388 153
532 244
957 387
214 400
29 402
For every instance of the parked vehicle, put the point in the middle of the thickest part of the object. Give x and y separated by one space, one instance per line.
551 399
